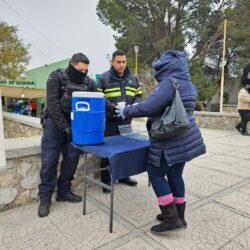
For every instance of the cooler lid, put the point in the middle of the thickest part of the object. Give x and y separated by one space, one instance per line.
87 94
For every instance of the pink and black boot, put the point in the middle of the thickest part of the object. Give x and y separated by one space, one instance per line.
180 206
171 220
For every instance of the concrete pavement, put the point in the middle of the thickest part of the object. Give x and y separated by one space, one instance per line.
218 209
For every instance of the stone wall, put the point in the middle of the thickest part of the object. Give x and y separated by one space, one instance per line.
16 126
19 181
213 120
230 108
15 130
216 120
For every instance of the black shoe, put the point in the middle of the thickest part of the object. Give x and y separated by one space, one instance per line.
105 190
43 209
70 197
238 129
128 181
245 133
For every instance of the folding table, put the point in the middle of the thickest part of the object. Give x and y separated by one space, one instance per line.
127 156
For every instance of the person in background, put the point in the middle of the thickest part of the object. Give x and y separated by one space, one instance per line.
17 107
25 108
42 105
118 85
28 108
167 158
244 102
33 105
57 133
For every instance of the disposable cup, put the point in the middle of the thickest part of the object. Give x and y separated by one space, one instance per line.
121 104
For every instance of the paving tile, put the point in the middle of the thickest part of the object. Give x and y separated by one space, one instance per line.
228 159
137 243
62 211
241 153
216 132
233 139
237 200
244 164
20 222
90 231
218 149
245 190
240 168
209 227
138 205
3 246
206 182
49 238
61 230
241 242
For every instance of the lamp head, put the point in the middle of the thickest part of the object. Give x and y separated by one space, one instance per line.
136 47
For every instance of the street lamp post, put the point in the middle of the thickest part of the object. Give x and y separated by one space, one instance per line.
223 66
136 48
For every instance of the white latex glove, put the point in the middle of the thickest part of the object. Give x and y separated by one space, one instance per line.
119 112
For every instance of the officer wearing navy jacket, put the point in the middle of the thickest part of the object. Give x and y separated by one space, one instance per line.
118 85
57 132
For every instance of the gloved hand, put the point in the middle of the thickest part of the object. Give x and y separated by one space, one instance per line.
68 133
119 112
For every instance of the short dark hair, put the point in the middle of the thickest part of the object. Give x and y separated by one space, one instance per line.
118 53
79 57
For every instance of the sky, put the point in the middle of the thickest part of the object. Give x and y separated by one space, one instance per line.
56 29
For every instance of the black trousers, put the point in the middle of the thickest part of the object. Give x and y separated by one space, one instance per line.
33 112
53 143
245 118
111 129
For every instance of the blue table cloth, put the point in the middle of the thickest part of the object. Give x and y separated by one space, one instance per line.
127 156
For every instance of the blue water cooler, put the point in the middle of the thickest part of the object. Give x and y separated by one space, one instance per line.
87 117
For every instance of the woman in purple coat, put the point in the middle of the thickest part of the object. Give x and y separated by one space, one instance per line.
167 158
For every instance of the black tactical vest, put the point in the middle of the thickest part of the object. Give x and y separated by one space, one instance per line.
68 87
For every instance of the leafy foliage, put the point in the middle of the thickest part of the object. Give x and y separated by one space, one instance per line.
158 25
206 87
13 53
192 25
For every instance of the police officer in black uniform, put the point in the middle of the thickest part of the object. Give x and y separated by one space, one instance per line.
118 85
57 132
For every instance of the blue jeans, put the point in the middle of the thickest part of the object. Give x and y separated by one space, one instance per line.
174 182
53 143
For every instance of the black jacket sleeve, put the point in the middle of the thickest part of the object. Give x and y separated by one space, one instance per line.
53 101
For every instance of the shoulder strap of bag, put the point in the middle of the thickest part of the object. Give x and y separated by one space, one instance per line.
175 85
